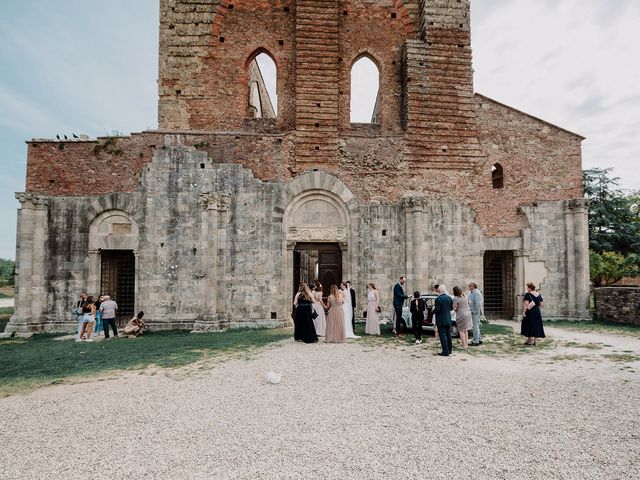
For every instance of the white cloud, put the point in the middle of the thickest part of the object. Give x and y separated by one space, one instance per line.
573 63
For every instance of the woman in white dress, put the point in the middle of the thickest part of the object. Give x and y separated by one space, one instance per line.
348 311
320 322
373 325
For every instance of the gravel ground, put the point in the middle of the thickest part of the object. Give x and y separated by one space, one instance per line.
341 411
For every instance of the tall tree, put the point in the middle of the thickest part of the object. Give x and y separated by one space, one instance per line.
614 217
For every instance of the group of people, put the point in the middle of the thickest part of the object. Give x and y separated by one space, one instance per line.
96 315
338 324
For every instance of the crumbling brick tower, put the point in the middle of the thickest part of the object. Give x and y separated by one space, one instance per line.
210 221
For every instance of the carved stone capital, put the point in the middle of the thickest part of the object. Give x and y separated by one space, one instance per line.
317 234
32 200
291 244
215 201
413 203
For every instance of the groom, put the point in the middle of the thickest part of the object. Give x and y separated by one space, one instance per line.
398 300
352 292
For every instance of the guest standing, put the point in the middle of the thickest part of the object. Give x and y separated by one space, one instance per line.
532 327
98 327
335 317
398 301
463 316
320 322
476 305
303 328
77 311
417 309
442 312
109 308
372 326
88 319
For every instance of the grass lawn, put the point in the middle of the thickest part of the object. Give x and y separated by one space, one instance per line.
42 360
598 326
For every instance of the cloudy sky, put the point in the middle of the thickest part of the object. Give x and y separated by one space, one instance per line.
91 67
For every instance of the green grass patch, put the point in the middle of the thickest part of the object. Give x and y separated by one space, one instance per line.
622 357
598 326
43 360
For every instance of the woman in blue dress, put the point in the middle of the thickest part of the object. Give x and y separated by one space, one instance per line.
532 327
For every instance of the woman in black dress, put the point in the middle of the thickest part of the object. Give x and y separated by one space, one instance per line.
532 327
303 328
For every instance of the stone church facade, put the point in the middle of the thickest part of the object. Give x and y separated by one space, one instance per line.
209 221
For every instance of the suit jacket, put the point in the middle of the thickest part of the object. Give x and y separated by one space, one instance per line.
442 310
353 297
398 295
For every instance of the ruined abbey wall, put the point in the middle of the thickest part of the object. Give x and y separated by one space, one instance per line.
214 203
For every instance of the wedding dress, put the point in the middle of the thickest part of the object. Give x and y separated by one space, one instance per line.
348 314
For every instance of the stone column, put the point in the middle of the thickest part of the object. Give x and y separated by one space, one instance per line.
407 208
581 248
571 260
213 265
31 289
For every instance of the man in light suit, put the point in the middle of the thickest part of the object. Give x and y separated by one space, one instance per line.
476 304
353 304
442 312
398 300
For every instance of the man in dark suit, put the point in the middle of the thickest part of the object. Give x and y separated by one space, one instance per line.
442 312
398 300
353 304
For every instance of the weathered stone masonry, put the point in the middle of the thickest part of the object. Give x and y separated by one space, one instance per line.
214 204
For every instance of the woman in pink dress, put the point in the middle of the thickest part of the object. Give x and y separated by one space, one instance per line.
373 300
335 318
320 322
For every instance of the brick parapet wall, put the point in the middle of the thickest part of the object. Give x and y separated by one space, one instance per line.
618 304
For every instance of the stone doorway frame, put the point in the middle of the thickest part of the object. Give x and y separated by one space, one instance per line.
314 185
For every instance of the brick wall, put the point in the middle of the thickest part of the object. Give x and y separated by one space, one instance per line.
618 304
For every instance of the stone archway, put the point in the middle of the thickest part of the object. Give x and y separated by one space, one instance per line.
316 208
113 249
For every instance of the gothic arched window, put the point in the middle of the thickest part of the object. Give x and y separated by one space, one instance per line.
365 91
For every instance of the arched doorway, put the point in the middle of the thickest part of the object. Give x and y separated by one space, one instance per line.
113 245
317 228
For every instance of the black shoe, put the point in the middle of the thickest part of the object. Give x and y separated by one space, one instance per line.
442 354
474 344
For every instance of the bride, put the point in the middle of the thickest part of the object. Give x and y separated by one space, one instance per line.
348 311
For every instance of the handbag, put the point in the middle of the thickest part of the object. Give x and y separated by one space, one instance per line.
314 314
293 312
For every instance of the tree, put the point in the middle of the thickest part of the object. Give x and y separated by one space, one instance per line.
609 267
7 272
614 217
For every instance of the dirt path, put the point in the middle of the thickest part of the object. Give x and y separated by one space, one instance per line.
352 411
6 302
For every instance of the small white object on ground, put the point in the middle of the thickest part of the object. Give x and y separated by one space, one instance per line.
273 377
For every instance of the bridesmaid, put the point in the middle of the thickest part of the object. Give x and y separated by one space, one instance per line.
320 322
335 318
303 328
373 300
